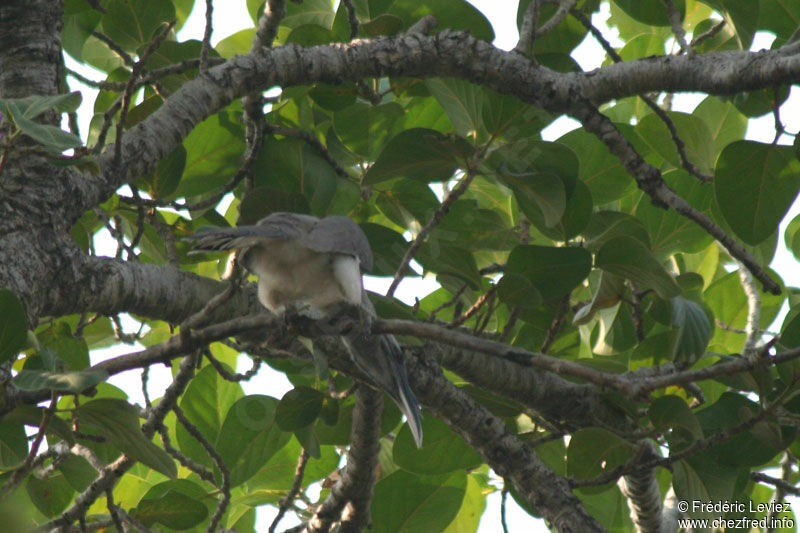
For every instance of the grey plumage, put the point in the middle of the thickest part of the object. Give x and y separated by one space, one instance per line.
312 265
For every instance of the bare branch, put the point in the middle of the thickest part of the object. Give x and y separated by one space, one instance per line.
206 36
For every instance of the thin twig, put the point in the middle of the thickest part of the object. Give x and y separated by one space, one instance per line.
206 37
286 502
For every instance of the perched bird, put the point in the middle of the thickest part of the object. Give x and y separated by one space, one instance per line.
311 265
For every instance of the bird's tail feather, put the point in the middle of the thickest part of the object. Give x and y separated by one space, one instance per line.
381 359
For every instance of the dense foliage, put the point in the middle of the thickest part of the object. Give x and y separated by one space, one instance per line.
604 298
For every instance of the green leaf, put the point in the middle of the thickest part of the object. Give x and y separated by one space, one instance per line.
205 403
670 412
724 121
755 185
552 271
594 450
31 107
51 495
405 502
52 139
213 153
79 20
292 166
443 450
670 231
75 382
601 171
172 509
697 138
365 129
448 260
319 12
629 258
472 507
118 421
541 195
607 225
475 229
262 201
606 292
405 201
252 421
388 249
453 14
298 408
238 43
694 329
13 327
651 12
419 154
792 236
163 181
132 23
13 445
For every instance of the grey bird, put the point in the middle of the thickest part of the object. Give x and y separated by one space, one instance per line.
311 265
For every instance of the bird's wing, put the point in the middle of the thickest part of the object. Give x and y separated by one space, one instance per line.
337 234
285 226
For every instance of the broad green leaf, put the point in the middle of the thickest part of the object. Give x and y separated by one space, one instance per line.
472 507
616 332
13 445
753 447
607 225
249 436
780 17
609 507
552 271
453 14
118 421
602 172
213 153
236 43
298 408
697 139
365 129
694 329
792 237
696 480
75 382
442 451
262 201
13 327
133 23
388 249
651 12
419 154
670 412
405 201
310 35
70 350
272 480
173 509
51 495
541 195
606 292
755 185
724 121
31 107
177 504
670 231
594 450
79 20
728 302
319 12
205 403
475 229
629 258
404 502
53 139
334 97
30 415
292 166
163 181
171 52
448 260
